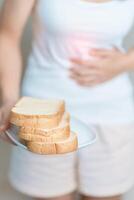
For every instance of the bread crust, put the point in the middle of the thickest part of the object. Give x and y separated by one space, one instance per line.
44 126
47 132
61 147
70 146
47 149
59 135
37 120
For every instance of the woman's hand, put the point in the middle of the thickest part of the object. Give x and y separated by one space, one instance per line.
106 65
4 119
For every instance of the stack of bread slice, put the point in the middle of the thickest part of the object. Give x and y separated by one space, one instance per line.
44 125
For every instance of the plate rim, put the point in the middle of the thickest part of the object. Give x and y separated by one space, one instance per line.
72 117
92 132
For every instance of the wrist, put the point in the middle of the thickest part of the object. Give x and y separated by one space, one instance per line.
10 95
129 60
10 101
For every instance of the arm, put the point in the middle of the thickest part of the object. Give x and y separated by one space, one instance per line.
13 18
12 21
130 60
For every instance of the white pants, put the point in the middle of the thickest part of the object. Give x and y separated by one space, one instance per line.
105 168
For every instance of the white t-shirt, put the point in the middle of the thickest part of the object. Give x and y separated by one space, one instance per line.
70 28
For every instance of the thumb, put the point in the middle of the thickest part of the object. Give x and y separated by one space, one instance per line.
3 127
103 52
3 121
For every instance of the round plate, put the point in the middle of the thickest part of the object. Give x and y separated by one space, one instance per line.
86 135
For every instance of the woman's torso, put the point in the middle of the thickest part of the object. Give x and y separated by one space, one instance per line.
70 28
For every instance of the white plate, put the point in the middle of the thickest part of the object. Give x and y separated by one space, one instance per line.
86 135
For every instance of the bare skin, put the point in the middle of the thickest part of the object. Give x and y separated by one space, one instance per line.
106 65
93 73
11 29
97 1
71 197
103 198
66 197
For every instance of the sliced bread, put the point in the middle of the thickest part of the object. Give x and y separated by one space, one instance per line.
37 113
64 146
59 136
64 123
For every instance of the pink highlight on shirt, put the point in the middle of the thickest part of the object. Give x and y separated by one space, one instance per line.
79 46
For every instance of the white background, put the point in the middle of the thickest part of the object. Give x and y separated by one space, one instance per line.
6 192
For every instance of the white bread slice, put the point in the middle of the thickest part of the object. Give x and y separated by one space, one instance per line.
57 137
68 145
62 127
64 146
30 101
37 113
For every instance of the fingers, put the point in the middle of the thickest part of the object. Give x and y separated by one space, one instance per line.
4 125
88 79
86 63
3 128
91 72
103 52
85 75
89 82
3 120
83 71
5 138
